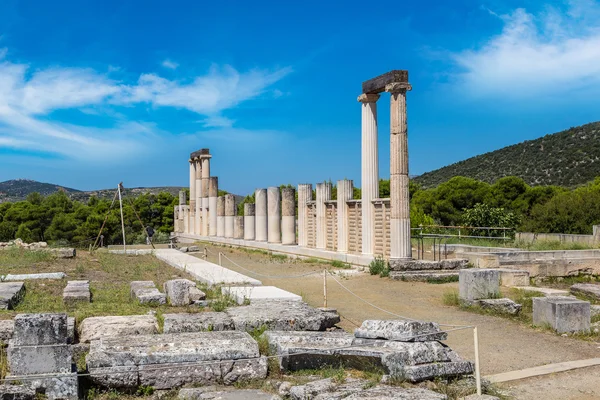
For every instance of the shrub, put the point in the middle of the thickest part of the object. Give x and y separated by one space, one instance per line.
377 266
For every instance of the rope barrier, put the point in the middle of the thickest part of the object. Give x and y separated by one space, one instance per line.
272 276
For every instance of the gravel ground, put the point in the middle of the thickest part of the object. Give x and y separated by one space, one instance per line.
505 345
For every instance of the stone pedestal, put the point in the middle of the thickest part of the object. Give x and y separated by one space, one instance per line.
563 314
288 216
213 192
274 215
221 216
238 227
400 246
190 220
478 283
198 196
369 169
323 195
345 191
249 226
304 196
205 159
229 215
260 200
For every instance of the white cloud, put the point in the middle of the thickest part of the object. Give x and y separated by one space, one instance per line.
535 54
27 97
169 64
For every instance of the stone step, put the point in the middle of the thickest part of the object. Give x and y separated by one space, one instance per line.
424 276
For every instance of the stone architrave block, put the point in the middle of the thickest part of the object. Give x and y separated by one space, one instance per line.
406 331
563 314
40 329
93 328
34 360
478 283
11 294
589 290
198 322
178 291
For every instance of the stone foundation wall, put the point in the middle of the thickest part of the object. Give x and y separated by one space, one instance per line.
311 224
382 227
331 225
354 226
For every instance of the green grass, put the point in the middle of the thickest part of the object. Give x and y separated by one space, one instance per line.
450 298
340 264
443 279
542 245
379 267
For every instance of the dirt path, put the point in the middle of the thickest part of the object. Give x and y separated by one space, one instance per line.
504 345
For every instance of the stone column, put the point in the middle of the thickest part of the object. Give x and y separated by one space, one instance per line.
323 195
186 219
288 216
198 198
274 215
213 192
189 215
182 202
369 169
400 248
304 196
221 216
238 227
229 215
260 200
345 191
205 159
249 227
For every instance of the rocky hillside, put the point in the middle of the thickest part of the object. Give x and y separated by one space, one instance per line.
18 189
566 158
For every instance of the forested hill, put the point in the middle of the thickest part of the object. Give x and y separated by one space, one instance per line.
566 158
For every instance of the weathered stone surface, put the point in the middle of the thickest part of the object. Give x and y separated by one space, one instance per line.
408 331
563 314
33 360
178 291
242 294
199 322
172 360
422 265
77 291
70 330
40 329
55 387
147 293
63 252
193 249
481 397
16 392
11 294
211 392
513 277
196 294
282 315
504 306
116 326
7 326
327 389
594 310
478 283
418 373
587 289
24 277
423 276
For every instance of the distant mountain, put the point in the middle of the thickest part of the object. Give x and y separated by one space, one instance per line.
566 158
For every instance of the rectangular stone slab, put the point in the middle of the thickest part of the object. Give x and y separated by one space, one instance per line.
93 328
199 322
11 294
587 289
478 283
401 330
40 329
33 360
563 314
146 292
377 84
252 293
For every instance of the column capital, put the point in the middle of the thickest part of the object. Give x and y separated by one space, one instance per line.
398 87
368 98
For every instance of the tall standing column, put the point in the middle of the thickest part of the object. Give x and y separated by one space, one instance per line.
213 192
249 227
323 195
198 198
400 249
274 215
190 222
288 216
205 159
182 202
304 196
229 215
186 219
369 169
221 216
260 200
345 191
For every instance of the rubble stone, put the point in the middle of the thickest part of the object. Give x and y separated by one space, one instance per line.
199 322
196 294
407 331
504 306
177 291
93 328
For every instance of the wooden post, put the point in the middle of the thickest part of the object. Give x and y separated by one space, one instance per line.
205 254
122 222
220 261
477 372
325 288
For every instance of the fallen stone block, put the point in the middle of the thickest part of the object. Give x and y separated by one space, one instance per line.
213 393
193 249
408 331
183 249
93 328
478 283
419 373
422 265
242 294
586 289
77 291
173 360
503 306
513 277
480 397
11 294
54 386
282 315
147 293
563 314
178 291
196 294
7 326
40 329
63 253
198 322
424 276
34 360
16 392
25 277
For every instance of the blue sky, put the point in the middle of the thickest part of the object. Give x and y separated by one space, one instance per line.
97 92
